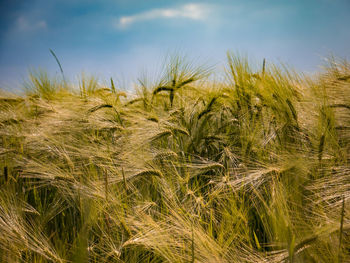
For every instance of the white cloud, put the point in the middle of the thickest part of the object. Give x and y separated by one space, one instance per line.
190 11
24 24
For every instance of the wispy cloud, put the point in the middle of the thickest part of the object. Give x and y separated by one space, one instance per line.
25 24
190 11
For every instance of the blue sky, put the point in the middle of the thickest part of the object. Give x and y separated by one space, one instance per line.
123 38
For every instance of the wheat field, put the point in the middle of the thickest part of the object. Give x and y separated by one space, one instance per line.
253 167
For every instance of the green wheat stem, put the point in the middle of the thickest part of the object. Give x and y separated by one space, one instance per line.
342 214
59 64
263 67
